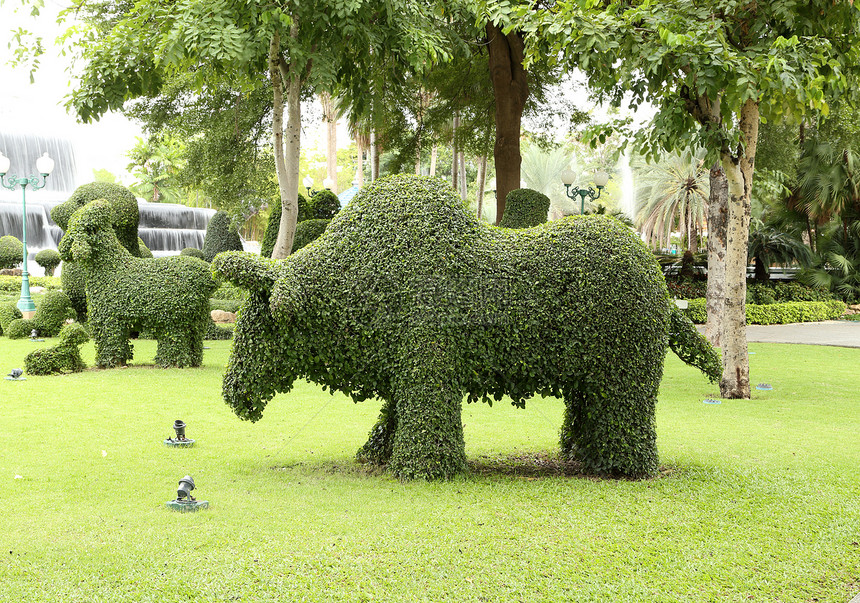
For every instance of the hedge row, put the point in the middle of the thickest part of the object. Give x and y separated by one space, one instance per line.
757 293
12 284
775 314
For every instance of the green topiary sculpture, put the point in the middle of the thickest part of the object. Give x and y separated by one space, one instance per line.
65 357
48 259
408 298
525 208
168 297
8 312
221 235
53 311
192 252
124 222
324 205
11 252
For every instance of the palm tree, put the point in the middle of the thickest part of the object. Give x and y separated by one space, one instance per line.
541 170
829 182
767 246
673 196
838 263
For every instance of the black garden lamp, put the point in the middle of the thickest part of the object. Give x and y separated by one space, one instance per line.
180 440
179 428
601 178
184 501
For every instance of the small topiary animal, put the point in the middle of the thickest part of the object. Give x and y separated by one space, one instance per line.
65 357
11 252
168 297
48 259
221 235
408 298
53 311
124 222
525 208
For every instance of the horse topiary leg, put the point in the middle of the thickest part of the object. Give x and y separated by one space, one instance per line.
112 344
377 449
611 432
428 442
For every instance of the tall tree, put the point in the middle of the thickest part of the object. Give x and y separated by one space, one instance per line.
713 71
296 46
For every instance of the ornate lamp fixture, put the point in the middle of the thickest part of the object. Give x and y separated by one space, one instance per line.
601 178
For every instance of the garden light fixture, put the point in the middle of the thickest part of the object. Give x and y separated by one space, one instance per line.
309 184
328 184
44 165
180 440
601 178
15 375
184 501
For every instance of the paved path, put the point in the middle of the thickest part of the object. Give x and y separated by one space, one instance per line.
841 333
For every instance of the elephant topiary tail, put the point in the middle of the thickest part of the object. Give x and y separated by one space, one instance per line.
692 347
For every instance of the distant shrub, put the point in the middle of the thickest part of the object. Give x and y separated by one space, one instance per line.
221 235
11 252
227 305
228 291
686 289
323 206
193 252
308 231
48 259
18 328
218 331
8 312
65 357
525 208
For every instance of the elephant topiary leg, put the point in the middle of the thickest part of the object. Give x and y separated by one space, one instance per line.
611 432
377 449
428 441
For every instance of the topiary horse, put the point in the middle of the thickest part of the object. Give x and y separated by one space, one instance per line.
168 297
408 298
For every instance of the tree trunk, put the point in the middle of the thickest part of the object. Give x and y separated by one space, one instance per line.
455 164
463 191
511 89
374 157
717 214
286 167
433 153
739 172
482 177
330 120
359 175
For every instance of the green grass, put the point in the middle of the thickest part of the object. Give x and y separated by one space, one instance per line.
758 500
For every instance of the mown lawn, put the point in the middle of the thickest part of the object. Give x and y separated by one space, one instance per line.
757 500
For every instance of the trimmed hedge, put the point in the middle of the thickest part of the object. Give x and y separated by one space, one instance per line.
193 252
221 235
216 332
308 231
65 357
776 313
165 296
48 259
12 284
227 305
19 328
11 252
525 208
407 297
228 291
144 250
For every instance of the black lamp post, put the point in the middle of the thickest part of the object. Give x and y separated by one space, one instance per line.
600 180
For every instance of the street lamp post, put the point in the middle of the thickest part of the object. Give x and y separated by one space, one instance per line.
600 181
44 165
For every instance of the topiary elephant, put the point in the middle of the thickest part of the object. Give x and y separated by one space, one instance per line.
408 298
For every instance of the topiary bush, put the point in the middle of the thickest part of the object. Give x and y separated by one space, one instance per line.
11 252
8 312
124 220
408 298
19 328
165 296
48 259
53 311
323 206
218 332
193 252
267 245
525 208
308 231
221 235
65 357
